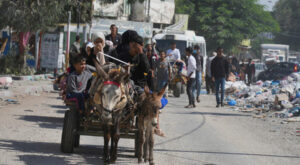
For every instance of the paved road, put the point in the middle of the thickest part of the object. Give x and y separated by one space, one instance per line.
30 134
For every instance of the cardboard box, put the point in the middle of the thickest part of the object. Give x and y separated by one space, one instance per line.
280 97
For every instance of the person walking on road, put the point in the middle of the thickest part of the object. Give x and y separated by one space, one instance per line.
191 72
163 72
199 64
219 72
250 71
208 78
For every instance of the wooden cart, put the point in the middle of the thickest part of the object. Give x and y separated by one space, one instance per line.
74 127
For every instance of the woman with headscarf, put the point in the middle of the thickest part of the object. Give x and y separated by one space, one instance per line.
97 51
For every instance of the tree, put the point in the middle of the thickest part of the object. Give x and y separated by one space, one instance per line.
227 22
85 11
25 16
32 15
288 15
184 7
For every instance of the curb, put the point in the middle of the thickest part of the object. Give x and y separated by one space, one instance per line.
33 77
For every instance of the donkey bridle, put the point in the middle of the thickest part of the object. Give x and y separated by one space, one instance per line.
116 84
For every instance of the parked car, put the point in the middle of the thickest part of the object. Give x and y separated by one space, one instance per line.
278 71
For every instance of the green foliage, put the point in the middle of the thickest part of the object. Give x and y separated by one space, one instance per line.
184 7
287 13
227 22
85 11
33 15
30 15
10 64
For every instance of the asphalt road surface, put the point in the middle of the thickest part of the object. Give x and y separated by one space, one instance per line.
30 134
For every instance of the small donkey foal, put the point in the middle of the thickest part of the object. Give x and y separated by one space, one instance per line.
149 105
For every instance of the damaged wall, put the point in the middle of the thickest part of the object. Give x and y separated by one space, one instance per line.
162 12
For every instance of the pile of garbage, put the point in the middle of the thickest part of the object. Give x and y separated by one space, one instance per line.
282 96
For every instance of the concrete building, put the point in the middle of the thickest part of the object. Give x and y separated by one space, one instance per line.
154 11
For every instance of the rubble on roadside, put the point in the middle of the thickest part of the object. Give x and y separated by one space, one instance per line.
279 99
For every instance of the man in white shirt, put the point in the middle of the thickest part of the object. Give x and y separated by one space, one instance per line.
191 71
173 55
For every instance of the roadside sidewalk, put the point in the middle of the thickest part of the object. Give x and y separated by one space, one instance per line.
15 87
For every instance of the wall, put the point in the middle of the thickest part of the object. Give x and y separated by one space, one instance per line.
162 11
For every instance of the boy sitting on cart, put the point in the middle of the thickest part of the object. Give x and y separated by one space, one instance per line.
77 83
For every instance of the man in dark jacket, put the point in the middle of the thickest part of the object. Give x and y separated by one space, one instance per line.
152 59
219 72
114 36
250 71
131 51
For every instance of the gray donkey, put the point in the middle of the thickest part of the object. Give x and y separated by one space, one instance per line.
148 108
110 98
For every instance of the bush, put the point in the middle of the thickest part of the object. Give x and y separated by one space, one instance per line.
10 64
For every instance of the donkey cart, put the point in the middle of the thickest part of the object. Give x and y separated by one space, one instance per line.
113 113
74 126
113 110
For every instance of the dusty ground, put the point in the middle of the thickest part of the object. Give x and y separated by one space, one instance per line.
21 89
30 134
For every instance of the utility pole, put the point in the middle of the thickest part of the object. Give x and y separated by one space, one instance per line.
37 41
78 16
148 20
91 20
68 40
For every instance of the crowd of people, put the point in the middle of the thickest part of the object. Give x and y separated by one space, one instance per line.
152 67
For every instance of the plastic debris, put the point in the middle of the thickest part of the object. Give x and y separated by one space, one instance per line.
232 103
294 112
12 101
282 96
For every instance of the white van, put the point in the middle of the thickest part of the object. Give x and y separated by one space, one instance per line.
183 39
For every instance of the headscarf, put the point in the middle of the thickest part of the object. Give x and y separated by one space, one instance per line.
89 45
100 55
97 35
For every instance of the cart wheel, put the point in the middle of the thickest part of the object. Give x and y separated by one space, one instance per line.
77 136
177 89
68 134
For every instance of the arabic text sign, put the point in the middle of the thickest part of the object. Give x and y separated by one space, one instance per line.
50 51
